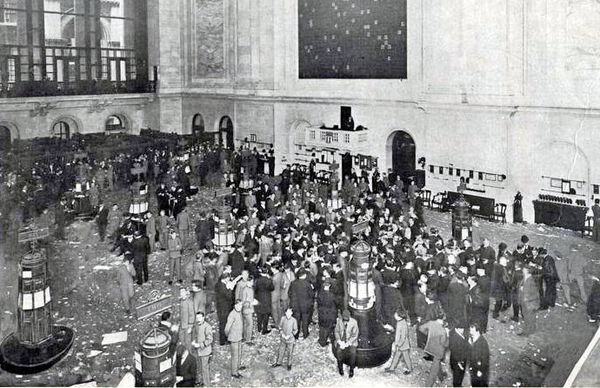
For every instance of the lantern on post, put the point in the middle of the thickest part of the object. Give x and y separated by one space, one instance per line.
462 221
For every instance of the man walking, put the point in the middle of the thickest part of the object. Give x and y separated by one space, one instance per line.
401 345
437 343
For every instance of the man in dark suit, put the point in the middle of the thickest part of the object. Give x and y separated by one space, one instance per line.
102 220
140 248
457 301
301 295
550 277
224 295
236 261
529 300
185 368
204 231
479 360
459 354
327 314
596 211
262 291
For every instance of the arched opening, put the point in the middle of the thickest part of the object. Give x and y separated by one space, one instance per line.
198 127
401 150
226 132
61 130
5 138
115 123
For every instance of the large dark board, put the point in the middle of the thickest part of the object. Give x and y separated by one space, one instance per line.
352 38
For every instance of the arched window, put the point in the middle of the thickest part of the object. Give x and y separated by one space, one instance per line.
198 126
61 130
115 123
5 139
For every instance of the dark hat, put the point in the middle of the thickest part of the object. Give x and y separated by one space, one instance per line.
346 315
502 246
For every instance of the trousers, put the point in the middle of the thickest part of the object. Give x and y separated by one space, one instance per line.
346 356
326 331
236 356
276 312
529 319
435 373
248 326
204 369
401 354
263 322
285 348
303 318
175 268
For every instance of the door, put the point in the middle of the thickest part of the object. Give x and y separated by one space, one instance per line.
403 156
5 140
346 166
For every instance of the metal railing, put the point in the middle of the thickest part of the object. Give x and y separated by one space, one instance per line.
53 88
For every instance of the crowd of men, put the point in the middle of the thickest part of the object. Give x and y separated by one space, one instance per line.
287 263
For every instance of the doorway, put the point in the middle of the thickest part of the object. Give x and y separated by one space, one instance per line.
226 132
5 139
403 152
346 166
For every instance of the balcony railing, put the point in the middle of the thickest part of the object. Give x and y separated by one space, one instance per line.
53 88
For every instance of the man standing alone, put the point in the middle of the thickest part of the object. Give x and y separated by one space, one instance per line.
596 211
203 339
346 337
234 329
529 300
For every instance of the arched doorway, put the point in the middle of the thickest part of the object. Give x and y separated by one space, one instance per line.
226 132
5 138
402 148
198 127
61 130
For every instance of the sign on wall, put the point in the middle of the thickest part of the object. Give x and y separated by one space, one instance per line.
352 39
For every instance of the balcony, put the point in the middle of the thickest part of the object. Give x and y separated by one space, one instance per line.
349 141
53 88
